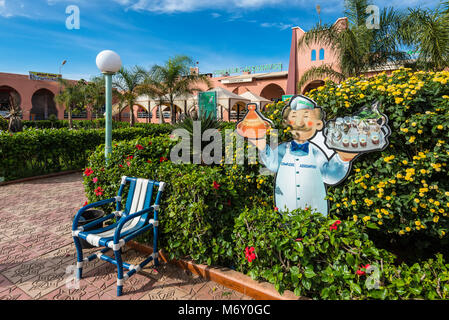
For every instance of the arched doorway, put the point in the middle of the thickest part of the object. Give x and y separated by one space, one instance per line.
272 92
142 113
237 111
166 112
43 105
313 85
5 101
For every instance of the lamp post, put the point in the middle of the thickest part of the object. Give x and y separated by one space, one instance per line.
109 63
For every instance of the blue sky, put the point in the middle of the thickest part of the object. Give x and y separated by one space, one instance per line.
218 34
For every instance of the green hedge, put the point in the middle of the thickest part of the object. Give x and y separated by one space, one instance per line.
36 152
3 124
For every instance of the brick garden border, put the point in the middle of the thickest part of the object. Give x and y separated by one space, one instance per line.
227 277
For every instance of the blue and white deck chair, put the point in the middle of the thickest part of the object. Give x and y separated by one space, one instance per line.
134 220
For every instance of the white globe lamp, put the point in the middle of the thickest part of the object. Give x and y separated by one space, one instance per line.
108 61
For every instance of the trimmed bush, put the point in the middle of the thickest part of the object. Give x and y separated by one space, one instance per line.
35 152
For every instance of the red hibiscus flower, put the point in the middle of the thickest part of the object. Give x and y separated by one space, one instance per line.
334 225
149 161
120 166
95 180
276 209
128 163
99 191
139 147
162 159
249 254
216 185
88 172
361 271
85 204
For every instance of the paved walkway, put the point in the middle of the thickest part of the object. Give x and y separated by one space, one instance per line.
37 253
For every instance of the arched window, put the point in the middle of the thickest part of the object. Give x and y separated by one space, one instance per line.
321 54
313 55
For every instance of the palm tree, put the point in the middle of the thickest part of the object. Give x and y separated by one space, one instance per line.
358 47
155 90
95 94
176 80
72 96
121 102
127 81
427 31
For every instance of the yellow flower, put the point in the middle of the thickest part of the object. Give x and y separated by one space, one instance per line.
405 162
366 218
436 218
412 139
362 96
408 229
418 223
401 232
416 200
440 127
355 217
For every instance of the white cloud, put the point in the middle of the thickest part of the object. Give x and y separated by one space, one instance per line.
279 25
175 6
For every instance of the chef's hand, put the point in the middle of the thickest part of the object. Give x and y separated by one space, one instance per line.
346 156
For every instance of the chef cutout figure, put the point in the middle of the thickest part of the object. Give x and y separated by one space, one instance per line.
303 169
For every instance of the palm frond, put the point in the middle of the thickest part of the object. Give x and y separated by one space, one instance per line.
320 72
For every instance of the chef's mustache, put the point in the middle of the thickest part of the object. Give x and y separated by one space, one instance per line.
303 128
